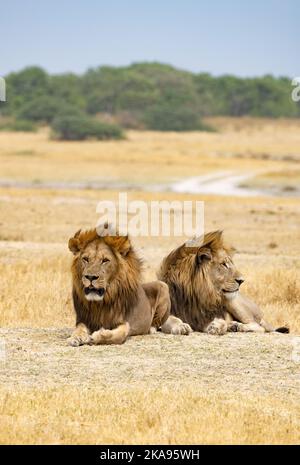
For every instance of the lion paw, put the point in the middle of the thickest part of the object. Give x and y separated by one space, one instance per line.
174 325
217 327
152 330
101 336
181 328
76 341
233 327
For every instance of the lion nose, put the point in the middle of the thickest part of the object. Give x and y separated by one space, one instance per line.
239 280
90 277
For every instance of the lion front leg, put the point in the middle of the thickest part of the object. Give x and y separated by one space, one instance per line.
80 336
111 336
159 297
162 305
216 327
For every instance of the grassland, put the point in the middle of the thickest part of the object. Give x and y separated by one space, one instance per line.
240 388
240 144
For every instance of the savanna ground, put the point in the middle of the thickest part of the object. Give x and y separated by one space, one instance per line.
239 388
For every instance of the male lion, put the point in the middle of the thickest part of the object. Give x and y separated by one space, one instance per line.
204 288
109 300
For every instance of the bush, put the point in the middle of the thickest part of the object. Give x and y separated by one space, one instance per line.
18 125
171 118
44 109
81 127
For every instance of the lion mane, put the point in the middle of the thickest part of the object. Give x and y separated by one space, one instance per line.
194 298
122 293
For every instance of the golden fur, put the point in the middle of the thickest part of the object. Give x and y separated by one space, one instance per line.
189 273
109 299
121 295
204 288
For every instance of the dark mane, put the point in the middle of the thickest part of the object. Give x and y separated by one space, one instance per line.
194 298
122 293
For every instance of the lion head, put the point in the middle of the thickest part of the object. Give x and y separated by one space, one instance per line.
201 276
97 260
106 275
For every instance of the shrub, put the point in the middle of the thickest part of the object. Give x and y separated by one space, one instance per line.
81 127
44 109
41 109
172 118
18 125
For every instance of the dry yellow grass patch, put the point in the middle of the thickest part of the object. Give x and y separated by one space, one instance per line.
135 416
239 145
156 388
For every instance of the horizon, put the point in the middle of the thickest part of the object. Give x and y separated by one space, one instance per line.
244 40
95 67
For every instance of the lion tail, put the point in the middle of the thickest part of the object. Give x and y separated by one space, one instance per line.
282 329
270 329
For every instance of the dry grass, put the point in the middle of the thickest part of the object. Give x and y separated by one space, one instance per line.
240 144
161 416
284 180
154 389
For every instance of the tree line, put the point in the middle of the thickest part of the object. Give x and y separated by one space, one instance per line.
142 96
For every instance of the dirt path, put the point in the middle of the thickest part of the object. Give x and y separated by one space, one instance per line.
217 183
220 183
248 363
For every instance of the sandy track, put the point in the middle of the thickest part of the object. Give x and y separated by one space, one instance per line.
216 183
247 363
219 183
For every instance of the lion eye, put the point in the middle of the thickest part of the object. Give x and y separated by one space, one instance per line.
105 260
85 259
225 264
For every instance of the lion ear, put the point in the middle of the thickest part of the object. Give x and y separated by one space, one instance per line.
213 239
203 254
124 245
74 243
121 244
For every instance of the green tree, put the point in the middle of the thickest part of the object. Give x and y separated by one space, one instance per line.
138 94
168 117
82 127
22 87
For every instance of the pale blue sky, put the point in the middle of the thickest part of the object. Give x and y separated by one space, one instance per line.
242 37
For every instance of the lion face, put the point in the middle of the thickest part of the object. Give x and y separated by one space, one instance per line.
98 264
220 270
201 274
97 260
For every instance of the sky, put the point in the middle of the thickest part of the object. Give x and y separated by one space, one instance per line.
241 37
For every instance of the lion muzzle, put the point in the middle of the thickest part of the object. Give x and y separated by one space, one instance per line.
92 293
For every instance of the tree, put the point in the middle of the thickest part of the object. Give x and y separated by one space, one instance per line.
44 109
168 117
144 92
81 127
22 87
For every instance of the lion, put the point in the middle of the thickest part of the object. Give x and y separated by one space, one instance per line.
109 299
204 286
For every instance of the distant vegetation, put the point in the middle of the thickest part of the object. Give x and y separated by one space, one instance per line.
143 96
81 127
12 124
